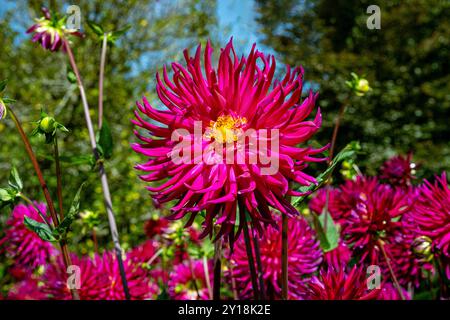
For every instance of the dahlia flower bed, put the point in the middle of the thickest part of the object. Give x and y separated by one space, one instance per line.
246 207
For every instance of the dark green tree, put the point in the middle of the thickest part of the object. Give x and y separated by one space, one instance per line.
406 62
38 79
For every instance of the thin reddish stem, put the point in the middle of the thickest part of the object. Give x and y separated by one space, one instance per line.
393 276
48 199
248 247
101 80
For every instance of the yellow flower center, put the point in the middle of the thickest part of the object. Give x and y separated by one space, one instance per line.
225 129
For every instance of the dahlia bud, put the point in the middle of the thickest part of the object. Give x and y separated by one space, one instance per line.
421 247
47 124
362 86
359 85
50 31
2 103
3 110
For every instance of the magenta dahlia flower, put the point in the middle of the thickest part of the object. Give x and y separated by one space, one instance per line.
140 285
239 131
398 171
189 281
304 258
27 250
390 292
334 284
100 279
50 31
155 227
93 282
29 289
339 257
432 215
370 214
144 252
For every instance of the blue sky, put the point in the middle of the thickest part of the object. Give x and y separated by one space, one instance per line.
237 18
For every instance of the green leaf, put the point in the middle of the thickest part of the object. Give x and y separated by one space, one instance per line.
98 29
7 100
41 229
14 180
61 127
75 207
122 31
105 141
329 239
71 76
163 295
348 152
3 85
64 226
5 196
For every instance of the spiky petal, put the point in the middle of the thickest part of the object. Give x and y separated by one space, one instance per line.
236 97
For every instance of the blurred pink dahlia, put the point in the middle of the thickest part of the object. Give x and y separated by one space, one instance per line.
144 252
29 289
139 282
93 283
155 227
100 279
390 292
339 257
304 258
398 171
370 213
50 31
188 281
223 114
432 215
27 250
334 284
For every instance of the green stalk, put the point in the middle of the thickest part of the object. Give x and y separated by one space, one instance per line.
48 198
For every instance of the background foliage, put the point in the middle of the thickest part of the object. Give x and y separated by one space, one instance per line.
406 63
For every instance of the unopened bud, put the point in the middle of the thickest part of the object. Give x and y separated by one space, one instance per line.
47 124
421 247
2 109
362 86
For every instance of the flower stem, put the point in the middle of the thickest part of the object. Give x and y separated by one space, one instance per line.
331 154
208 282
441 274
101 79
48 198
262 289
217 268
194 280
336 129
388 262
233 281
94 239
103 177
248 247
58 178
184 250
